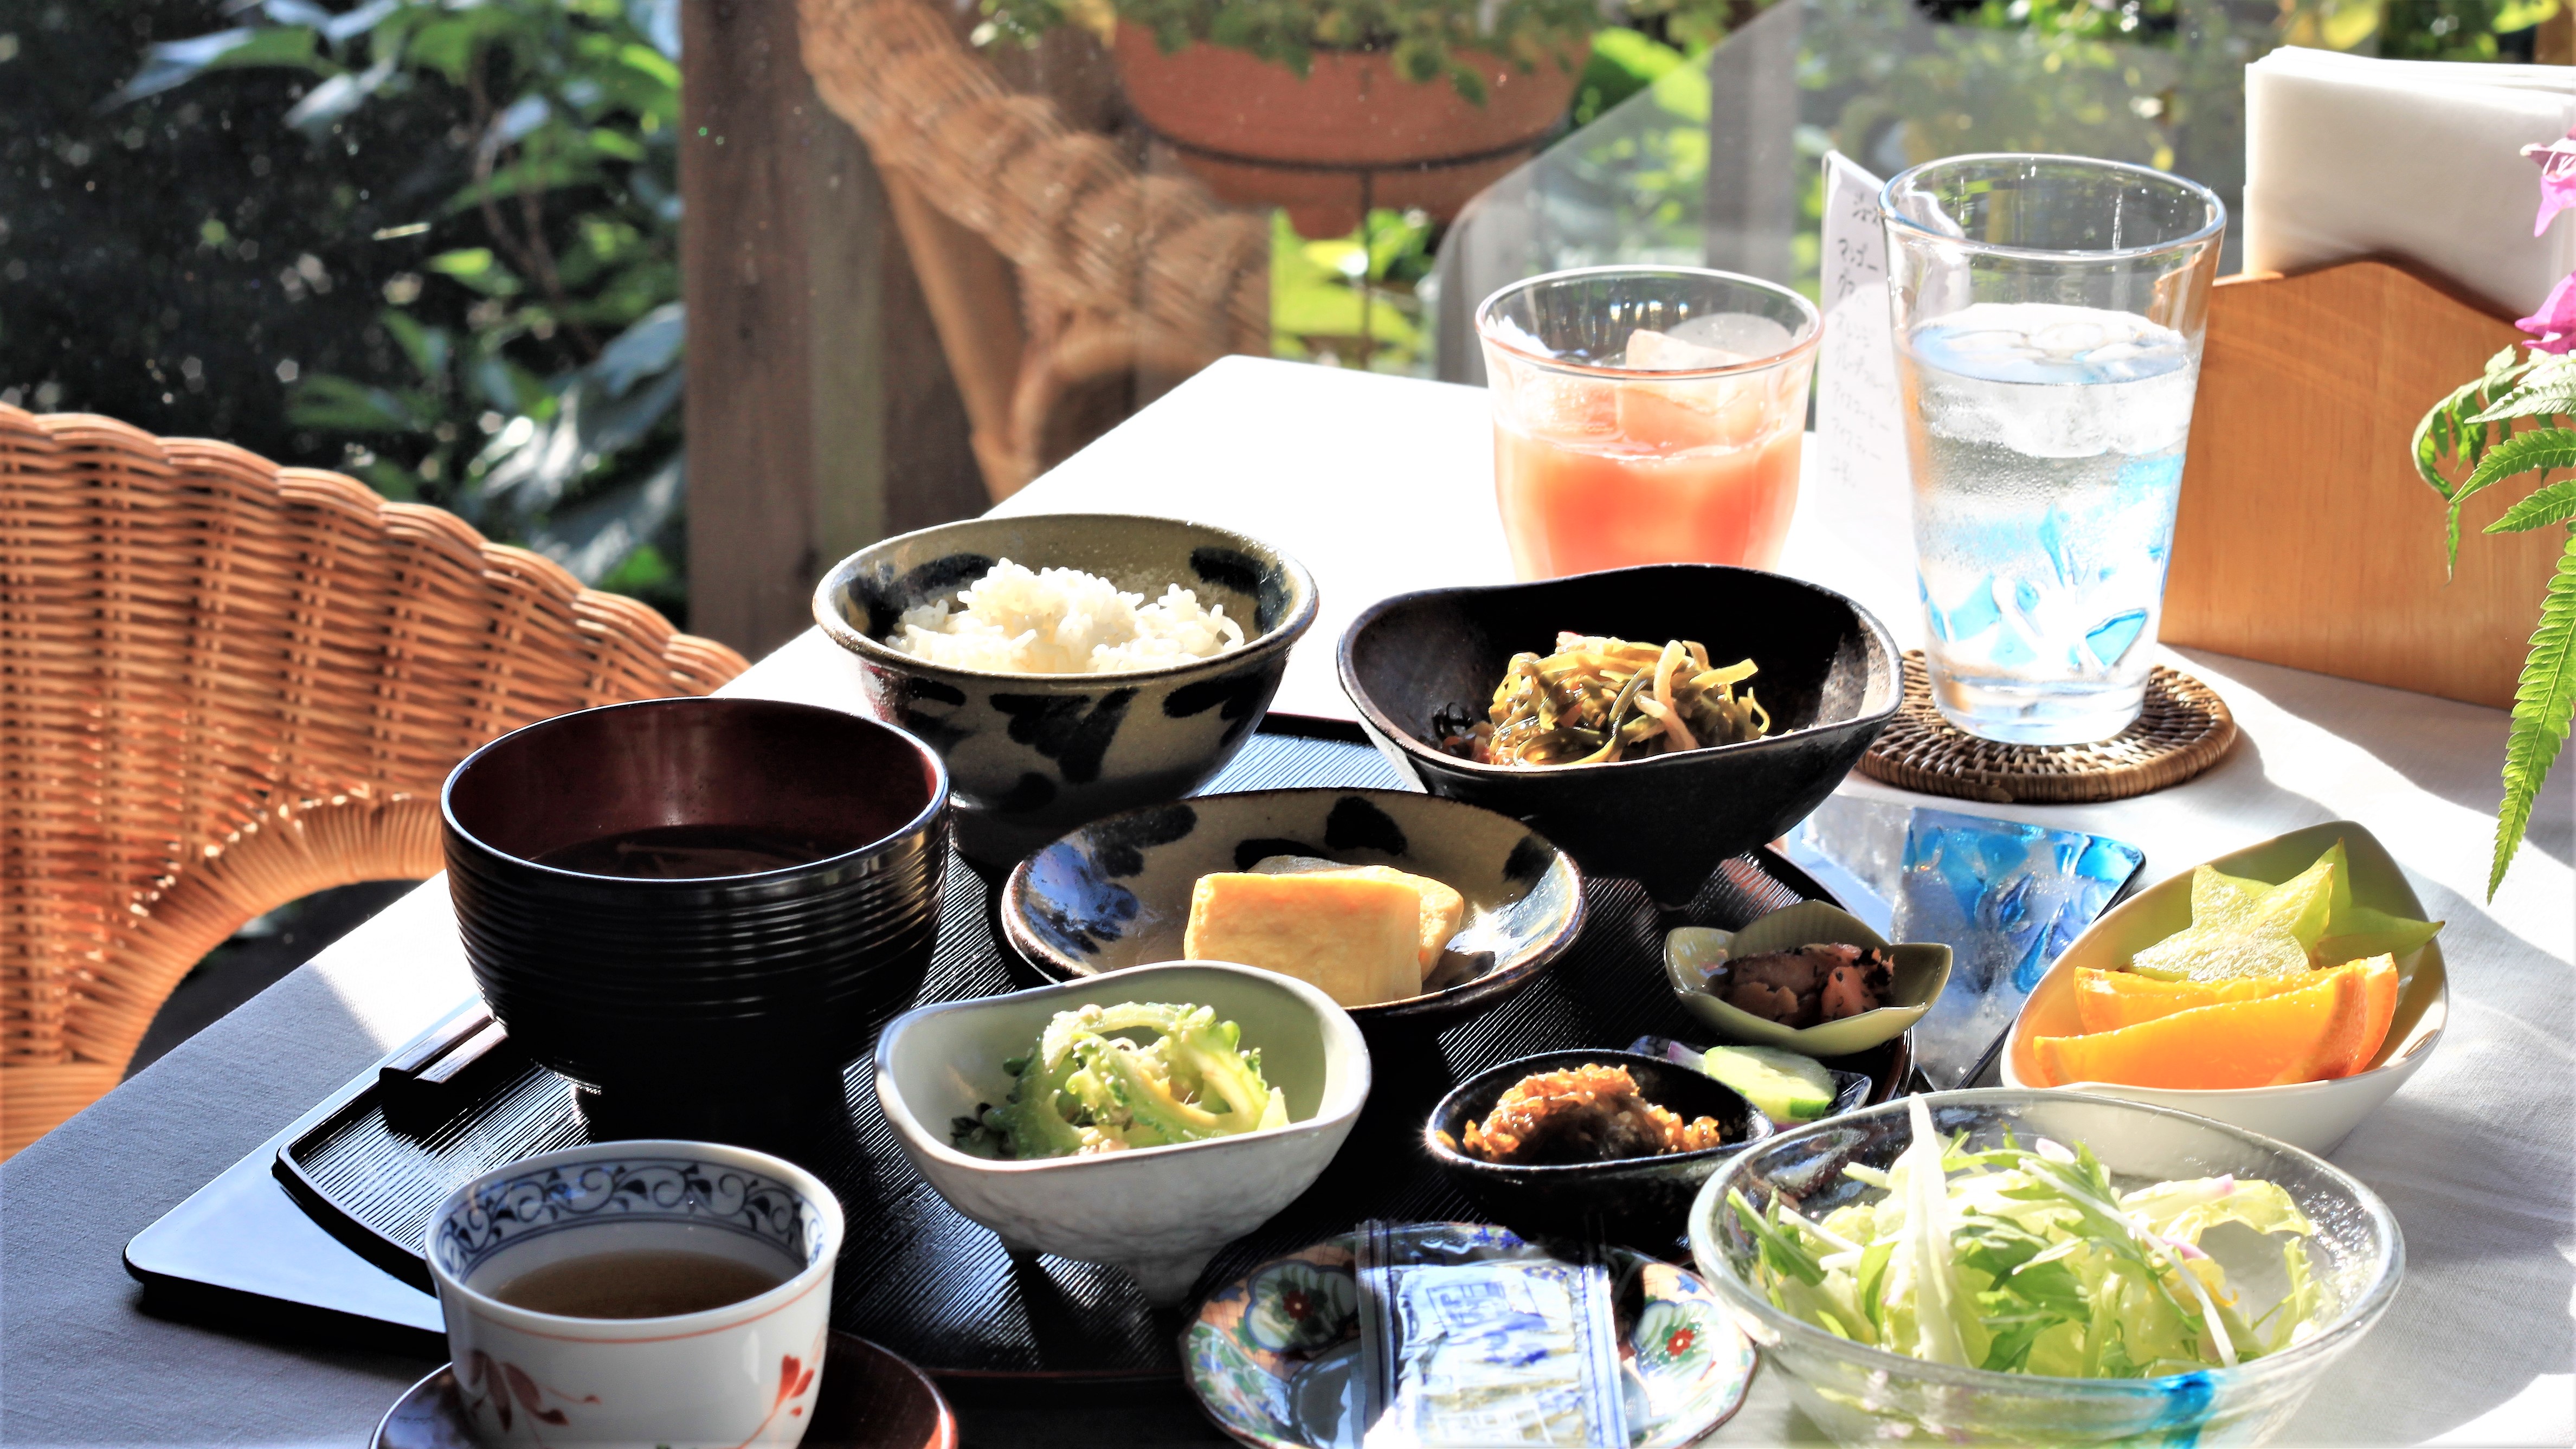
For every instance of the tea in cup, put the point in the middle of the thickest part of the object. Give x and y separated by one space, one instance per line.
638 1293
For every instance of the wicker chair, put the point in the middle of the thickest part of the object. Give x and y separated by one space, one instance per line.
224 685
1056 272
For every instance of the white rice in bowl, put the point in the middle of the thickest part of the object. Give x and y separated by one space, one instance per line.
1063 621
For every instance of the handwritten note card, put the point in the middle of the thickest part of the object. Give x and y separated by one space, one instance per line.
1857 423
1860 432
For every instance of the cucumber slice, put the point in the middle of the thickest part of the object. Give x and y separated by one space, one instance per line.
1781 1085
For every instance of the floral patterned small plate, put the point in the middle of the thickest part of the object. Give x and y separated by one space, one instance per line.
1274 1355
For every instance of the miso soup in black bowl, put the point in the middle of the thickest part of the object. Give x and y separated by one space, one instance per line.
698 910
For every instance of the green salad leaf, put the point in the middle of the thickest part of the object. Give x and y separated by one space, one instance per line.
2030 1260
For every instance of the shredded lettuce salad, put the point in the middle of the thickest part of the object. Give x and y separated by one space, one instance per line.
2027 1260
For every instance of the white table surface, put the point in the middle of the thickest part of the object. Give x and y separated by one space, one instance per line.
1383 485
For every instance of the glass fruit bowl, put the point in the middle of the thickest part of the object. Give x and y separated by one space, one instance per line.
1860 1395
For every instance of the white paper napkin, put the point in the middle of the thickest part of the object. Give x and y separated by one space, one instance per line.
2349 156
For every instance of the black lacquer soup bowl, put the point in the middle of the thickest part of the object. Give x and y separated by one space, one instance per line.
698 908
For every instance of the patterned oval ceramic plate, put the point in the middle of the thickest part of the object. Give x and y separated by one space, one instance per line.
1116 892
1274 1355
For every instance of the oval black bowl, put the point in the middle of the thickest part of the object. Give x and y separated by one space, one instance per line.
1642 1201
698 1003
1830 679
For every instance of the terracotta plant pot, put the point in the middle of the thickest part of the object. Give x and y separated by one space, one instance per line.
1259 135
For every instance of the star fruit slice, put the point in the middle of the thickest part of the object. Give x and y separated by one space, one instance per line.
2356 932
2245 928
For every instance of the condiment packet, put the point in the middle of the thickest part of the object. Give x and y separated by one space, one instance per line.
1477 1338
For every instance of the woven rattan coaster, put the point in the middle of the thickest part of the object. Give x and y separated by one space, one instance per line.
2183 730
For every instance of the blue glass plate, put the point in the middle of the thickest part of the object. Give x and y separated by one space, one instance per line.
2004 896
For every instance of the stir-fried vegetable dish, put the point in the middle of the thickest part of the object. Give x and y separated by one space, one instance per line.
2027 1260
1595 700
1085 1088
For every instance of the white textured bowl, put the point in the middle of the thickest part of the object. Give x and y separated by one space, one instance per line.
1158 1212
2316 1116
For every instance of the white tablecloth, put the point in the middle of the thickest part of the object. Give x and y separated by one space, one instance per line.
1382 485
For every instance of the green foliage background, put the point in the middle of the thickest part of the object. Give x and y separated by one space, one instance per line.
434 242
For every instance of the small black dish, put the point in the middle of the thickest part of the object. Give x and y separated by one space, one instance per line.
1640 1201
1830 679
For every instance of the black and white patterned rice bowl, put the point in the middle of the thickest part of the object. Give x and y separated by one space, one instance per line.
1116 893
1030 756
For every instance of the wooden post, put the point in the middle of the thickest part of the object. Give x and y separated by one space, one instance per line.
820 412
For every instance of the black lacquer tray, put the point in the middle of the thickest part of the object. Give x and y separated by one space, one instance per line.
915 1276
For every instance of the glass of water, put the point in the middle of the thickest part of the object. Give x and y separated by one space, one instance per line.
2049 314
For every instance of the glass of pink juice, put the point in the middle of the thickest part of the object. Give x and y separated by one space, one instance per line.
1646 415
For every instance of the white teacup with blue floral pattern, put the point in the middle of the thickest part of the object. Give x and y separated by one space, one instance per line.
739 1375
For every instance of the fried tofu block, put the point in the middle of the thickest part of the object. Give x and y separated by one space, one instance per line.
1354 938
1443 909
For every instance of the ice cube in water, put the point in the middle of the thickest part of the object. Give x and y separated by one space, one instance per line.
2046 471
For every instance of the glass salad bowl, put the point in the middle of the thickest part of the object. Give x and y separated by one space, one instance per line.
1859 1394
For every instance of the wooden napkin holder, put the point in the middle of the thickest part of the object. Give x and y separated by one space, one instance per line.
2305 536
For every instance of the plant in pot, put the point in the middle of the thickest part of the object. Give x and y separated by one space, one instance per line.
1330 107
2509 424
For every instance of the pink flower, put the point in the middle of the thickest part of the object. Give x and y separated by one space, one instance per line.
2557 178
2555 323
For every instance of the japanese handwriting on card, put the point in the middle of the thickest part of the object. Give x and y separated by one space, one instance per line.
1859 425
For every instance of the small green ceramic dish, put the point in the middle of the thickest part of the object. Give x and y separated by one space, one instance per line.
1691 952
1274 1355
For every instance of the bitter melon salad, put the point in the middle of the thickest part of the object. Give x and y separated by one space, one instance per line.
1087 1086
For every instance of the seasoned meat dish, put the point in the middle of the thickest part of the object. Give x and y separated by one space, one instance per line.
1824 982
1589 1114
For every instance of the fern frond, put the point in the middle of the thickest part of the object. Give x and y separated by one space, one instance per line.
2541 449
2545 387
2553 504
2447 433
2542 703
2552 400
2438 436
2510 361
